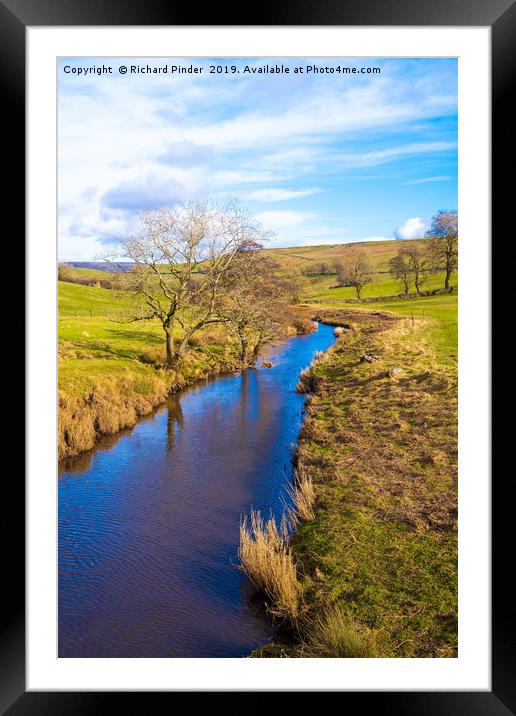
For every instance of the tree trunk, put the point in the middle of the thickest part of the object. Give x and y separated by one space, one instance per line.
182 347
447 280
244 352
256 350
169 337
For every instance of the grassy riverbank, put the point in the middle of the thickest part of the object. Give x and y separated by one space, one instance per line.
112 373
376 566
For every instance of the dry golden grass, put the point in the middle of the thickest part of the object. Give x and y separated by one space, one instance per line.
266 558
305 384
108 407
308 381
302 494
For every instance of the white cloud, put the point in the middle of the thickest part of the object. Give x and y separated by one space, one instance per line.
300 155
149 192
226 177
272 194
325 111
428 180
186 154
413 228
369 159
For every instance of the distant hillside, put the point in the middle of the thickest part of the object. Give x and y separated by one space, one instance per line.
104 266
312 267
298 258
295 257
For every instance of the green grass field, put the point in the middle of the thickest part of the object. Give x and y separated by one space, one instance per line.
441 310
438 312
93 344
77 300
323 288
111 371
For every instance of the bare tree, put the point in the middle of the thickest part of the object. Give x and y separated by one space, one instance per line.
399 267
180 256
445 243
420 264
355 270
255 302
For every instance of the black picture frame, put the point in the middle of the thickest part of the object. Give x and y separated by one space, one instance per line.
500 16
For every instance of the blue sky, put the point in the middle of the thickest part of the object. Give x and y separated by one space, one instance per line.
318 158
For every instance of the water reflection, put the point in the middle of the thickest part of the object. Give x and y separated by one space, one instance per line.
175 418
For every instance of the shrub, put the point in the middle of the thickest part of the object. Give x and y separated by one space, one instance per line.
303 325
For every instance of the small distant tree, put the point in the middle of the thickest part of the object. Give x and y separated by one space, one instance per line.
445 243
354 270
419 263
180 257
400 269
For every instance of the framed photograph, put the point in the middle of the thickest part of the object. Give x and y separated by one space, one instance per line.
258 415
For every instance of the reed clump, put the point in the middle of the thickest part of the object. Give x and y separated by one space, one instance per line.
308 380
302 494
266 558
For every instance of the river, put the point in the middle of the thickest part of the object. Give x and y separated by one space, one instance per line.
149 520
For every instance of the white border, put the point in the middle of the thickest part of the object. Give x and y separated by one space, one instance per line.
471 670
